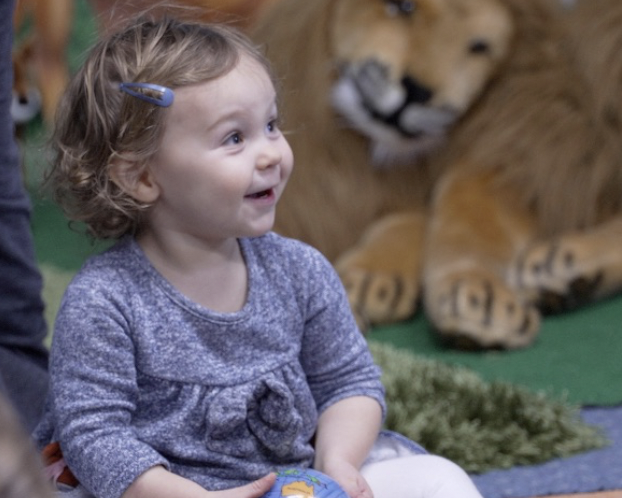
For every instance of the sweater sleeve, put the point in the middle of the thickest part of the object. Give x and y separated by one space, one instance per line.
336 359
93 388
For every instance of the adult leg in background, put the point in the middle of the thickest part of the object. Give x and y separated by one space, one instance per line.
23 357
21 473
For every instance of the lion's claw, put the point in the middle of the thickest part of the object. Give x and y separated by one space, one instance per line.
476 311
552 274
378 298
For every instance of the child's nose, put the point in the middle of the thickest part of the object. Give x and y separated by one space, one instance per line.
270 155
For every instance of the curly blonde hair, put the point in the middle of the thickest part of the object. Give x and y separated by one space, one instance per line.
98 124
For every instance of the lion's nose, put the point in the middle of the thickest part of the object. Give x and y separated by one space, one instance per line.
416 93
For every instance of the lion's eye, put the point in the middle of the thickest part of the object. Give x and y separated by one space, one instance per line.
400 7
479 47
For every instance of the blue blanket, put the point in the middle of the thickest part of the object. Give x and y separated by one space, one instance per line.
592 471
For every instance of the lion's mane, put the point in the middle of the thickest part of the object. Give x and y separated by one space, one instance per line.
335 192
549 125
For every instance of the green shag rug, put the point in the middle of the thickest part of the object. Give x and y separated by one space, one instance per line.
451 410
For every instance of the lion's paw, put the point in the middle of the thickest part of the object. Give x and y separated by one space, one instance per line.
555 276
473 310
378 298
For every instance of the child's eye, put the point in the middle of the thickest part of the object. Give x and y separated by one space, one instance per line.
273 126
234 139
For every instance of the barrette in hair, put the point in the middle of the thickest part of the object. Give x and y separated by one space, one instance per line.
154 94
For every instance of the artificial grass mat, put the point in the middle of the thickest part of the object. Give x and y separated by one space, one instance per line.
576 355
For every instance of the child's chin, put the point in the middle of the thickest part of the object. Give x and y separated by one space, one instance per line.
260 229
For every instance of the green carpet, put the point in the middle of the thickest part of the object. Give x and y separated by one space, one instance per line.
577 354
56 243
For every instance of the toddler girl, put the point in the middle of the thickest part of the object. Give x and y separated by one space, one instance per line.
202 351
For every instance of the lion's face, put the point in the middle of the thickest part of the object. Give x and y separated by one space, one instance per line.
408 69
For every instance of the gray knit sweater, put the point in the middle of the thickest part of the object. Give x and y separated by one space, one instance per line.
141 375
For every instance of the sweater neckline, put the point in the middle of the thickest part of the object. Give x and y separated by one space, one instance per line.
181 299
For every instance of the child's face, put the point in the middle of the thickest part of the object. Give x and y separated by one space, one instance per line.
223 162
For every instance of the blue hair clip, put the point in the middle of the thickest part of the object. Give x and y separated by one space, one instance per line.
156 94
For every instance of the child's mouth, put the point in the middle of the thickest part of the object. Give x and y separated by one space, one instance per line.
261 195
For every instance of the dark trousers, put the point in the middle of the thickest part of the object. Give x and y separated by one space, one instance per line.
23 358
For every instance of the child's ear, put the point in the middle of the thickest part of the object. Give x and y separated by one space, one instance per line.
135 181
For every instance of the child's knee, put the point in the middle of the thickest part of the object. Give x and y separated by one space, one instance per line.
448 480
442 466
419 476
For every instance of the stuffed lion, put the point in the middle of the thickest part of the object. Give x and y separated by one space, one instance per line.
469 148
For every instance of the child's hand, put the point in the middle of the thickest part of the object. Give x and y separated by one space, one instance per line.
349 478
158 482
255 489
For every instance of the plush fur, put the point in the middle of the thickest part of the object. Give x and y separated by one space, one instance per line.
40 67
472 146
